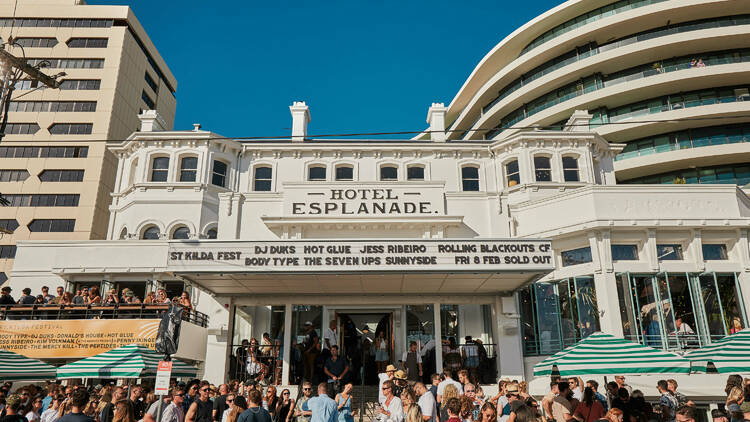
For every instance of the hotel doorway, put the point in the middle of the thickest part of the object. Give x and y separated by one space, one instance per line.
366 339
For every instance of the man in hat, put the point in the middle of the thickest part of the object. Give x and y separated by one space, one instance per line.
399 382
310 350
386 376
12 406
5 297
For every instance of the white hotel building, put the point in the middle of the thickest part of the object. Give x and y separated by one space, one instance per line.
529 239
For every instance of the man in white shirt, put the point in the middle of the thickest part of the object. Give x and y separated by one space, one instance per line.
447 374
330 336
426 403
383 377
173 412
411 362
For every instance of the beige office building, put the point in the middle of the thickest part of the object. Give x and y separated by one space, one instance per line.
55 168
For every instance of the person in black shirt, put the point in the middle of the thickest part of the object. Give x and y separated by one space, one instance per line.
220 403
201 409
139 407
12 405
5 297
26 298
108 412
622 402
77 402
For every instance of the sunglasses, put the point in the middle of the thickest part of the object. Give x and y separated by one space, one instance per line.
179 395
306 389
386 388
204 389
285 394
230 400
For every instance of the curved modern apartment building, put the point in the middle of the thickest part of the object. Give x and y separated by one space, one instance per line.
669 78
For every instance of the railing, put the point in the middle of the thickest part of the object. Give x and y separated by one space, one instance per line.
118 311
269 356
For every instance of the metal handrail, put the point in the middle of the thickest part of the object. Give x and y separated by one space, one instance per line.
55 311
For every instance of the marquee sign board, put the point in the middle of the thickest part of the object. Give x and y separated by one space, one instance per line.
444 255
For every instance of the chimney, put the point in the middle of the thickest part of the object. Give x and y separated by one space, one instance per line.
436 119
578 122
300 119
151 121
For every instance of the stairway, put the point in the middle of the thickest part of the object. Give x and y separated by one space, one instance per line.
365 402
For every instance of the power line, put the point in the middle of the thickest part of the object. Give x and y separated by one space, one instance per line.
406 132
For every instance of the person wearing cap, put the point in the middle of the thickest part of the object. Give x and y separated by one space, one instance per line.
5 297
399 382
12 406
310 350
385 376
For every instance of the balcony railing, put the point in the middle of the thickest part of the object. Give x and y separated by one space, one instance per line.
118 311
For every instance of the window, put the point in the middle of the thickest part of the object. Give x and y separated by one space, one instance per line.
315 173
37 42
21 128
576 256
470 179
68 63
415 173
714 252
344 172
211 233
388 173
87 43
61 176
151 233
62 152
71 129
42 200
219 174
542 169
570 169
56 23
160 169
7 251
52 225
262 179
10 224
13 175
669 252
624 252
81 84
512 175
181 233
188 169
148 101
150 82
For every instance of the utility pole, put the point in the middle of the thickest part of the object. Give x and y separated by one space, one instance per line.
12 69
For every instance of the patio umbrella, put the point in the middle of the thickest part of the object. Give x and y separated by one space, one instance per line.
604 354
730 354
131 361
15 367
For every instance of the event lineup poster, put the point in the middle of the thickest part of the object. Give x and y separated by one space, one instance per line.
66 339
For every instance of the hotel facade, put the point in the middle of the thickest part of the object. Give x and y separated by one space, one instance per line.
526 236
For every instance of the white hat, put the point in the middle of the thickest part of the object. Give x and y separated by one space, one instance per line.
308 323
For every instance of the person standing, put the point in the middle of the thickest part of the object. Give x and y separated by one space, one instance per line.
303 415
78 400
108 411
382 357
620 380
411 362
330 336
390 370
174 411
220 403
26 298
426 402
52 412
344 404
589 409
336 368
45 294
447 374
681 398
136 402
201 409
391 410
35 411
310 350
322 407
285 407
667 402
562 408
255 412
5 297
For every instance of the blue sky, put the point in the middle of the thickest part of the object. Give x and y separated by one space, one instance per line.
361 65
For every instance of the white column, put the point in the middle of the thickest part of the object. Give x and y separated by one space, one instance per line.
650 248
287 342
438 339
509 347
608 303
696 249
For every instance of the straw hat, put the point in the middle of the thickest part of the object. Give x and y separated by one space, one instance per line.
390 368
400 375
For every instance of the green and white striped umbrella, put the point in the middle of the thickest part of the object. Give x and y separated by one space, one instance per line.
730 354
131 361
15 367
604 354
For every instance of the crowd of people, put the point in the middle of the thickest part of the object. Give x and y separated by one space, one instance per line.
90 296
444 399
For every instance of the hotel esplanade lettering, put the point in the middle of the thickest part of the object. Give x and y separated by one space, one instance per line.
365 201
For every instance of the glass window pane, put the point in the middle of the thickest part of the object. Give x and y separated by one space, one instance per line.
649 313
528 320
713 315
151 233
568 314
316 173
263 173
588 309
306 337
669 252
576 256
344 173
415 173
388 173
548 318
181 233
734 317
624 253
420 328
714 252
628 314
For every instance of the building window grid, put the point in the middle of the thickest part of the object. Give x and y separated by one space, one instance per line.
316 173
52 225
10 224
160 169
44 152
81 84
42 199
345 172
54 63
415 172
188 169
621 252
14 175
61 176
51 106
733 174
71 128
262 179
576 256
714 252
40 42
542 168
7 252
56 23
470 178
570 169
388 172
21 128
88 43
181 233
512 173
219 174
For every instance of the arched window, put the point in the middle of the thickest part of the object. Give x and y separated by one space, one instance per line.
160 169
512 175
212 233
151 233
262 177
316 173
415 173
181 232
542 169
219 174
388 172
124 233
570 169
344 172
188 169
470 178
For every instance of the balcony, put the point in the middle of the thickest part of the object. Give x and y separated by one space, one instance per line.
129 311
